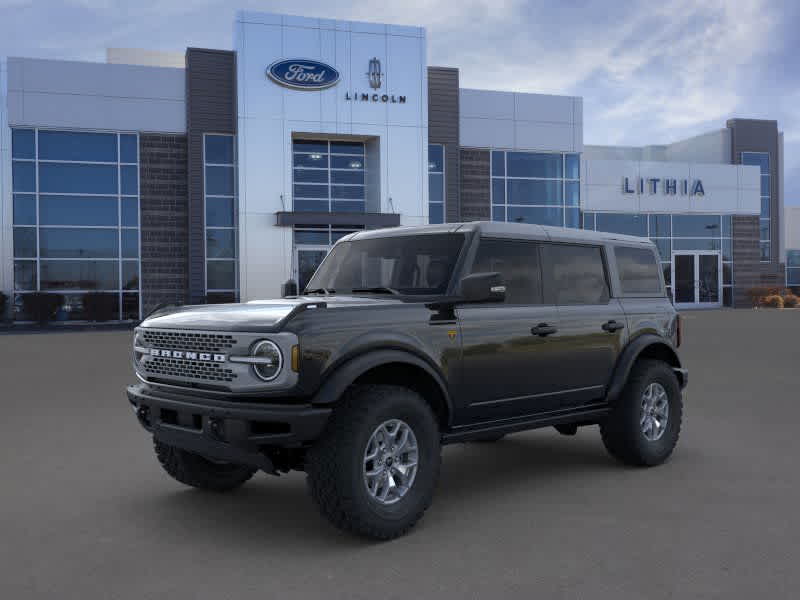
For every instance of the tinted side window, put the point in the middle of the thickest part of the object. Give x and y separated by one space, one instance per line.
638 271
518 264
574 274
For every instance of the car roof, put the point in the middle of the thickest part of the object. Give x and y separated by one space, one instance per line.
525 231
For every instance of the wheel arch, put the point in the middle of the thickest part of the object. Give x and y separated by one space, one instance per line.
647 346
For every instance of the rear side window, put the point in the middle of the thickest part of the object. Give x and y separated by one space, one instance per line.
574 274
518 265
638 271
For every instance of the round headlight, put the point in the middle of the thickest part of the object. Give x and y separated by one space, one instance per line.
138 342
270 360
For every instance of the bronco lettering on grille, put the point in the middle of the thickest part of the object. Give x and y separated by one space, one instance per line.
203 356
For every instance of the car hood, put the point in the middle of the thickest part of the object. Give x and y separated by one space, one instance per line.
255 316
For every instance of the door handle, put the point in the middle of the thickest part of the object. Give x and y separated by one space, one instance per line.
543 329
612 326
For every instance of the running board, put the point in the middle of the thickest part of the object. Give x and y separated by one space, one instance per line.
469 432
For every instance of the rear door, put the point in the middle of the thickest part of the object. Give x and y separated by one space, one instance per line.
508 369
592 324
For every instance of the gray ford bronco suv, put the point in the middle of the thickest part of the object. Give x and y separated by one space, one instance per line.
406 339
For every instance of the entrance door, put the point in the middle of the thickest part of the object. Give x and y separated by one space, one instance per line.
697 279
308 259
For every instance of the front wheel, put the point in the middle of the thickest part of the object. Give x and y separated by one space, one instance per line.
374 470
643 426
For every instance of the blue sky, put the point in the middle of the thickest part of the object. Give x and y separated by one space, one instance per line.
649 72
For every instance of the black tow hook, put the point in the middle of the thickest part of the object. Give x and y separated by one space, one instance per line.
143 414
215 426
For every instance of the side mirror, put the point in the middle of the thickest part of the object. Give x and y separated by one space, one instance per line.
483 287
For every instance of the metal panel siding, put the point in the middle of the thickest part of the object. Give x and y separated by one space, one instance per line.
443 128
475 184
210 108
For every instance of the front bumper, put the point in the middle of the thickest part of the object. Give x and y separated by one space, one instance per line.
229 431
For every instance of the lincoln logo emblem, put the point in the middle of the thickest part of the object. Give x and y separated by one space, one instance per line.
374 74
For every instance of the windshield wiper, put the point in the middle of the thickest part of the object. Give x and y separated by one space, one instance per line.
321 290
375 290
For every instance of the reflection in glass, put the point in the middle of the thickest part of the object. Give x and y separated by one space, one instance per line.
219 149
79 275
220 243
77 146
77 210
221 274
66 178
78 243
24 275
25 242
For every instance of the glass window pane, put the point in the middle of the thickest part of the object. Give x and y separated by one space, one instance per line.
319 161
76 145
24 209
313 175
436 213
664 246
436 187
572 189
638 270
531 164
130 243
349 192
574 275
341 162
317 238
765 185
77 210
221 274
572 217
667 270
23 176
348 206
130 274
727 249
130 307
588 221
336 235
79 275
765 251
311 205
765 207
129 180
347 148
498 163
498 191
25 275
23 143
727 226
78 243
696 226
77 179
220 243
128 148
25 242
763 229
499 213
793 277
538 215
310 191
518 265
310 146
695 244
727 273
793 258
219 181
727 296
628 224
759 159
573 166
130 212
219 212
354 176
660 226
219 149
526 191
435 158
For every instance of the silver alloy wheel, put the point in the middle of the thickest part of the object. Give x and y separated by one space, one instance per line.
390 461
655 412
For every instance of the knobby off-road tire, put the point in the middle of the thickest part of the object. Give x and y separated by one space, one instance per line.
629 433
196 471
336 464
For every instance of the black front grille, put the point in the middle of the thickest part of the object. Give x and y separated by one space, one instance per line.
192 369
193 342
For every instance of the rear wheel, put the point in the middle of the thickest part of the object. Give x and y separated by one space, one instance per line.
374 470
196 471
644 424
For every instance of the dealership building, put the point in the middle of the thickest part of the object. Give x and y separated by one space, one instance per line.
216 175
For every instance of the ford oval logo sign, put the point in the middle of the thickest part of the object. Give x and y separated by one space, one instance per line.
303 74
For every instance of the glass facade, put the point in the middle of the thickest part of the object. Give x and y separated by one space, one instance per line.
328 176
674 233
793 268
76 218
761 160
219 158
435 183
311 245
536 187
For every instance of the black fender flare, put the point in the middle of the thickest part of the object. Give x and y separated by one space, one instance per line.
346 373
631 353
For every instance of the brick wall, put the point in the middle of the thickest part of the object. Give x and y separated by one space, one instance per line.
165 233
748 270
475 199
443 128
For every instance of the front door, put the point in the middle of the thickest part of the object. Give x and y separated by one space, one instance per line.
697 279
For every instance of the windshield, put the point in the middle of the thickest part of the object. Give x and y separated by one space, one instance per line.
408 265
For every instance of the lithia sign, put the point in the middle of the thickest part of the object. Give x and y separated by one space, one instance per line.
306 74
667 186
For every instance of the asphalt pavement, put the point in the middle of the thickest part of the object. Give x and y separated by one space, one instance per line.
86 512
